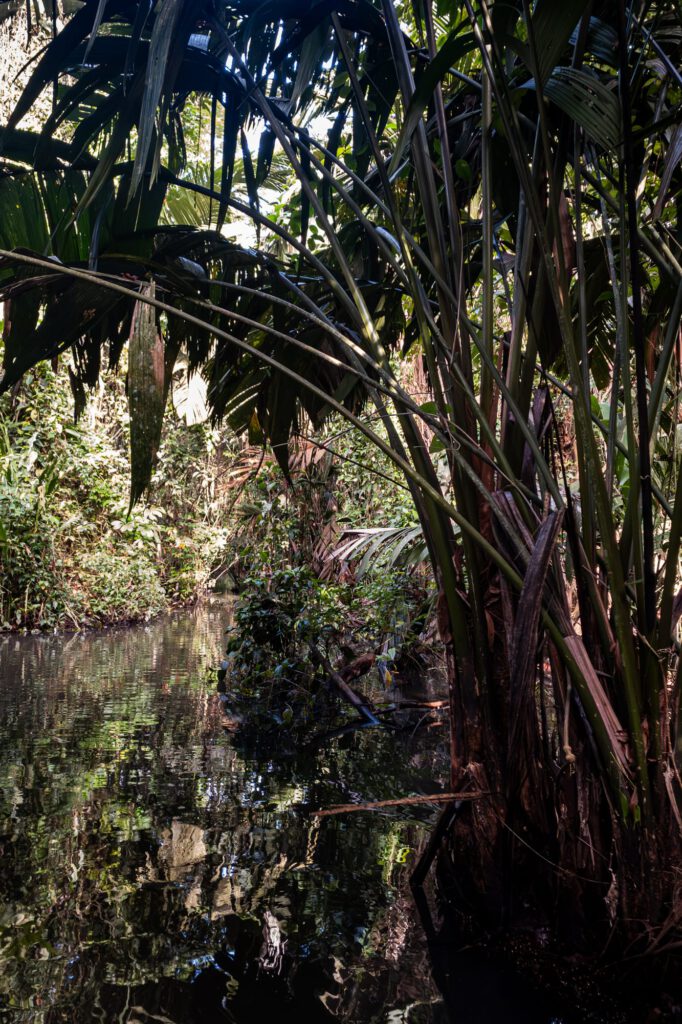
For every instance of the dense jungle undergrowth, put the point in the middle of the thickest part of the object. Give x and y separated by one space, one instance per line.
297 203
70 553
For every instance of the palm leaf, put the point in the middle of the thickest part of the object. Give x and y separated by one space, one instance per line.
393 547
588 102
146 377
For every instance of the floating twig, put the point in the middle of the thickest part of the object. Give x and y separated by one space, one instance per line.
402 801
399 705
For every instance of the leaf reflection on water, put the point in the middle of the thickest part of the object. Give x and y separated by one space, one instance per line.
152 869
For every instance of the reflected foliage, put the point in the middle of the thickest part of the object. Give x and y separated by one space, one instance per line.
150 867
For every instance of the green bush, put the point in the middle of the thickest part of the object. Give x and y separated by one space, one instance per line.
119 586
280 614
32 589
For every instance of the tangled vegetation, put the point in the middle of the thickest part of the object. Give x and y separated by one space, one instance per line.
494 187
71 555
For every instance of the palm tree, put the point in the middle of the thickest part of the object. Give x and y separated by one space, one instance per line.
497 186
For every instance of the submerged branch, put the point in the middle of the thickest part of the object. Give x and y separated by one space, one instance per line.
362 704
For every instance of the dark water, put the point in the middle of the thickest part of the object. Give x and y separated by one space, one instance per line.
153 870
157 867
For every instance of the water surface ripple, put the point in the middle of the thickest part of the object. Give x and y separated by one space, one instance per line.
154 869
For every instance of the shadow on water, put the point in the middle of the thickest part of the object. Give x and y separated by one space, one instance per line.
151 870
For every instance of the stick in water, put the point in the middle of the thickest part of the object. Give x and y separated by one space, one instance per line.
403 801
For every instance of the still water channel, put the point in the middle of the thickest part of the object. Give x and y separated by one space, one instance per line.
155 867
154 870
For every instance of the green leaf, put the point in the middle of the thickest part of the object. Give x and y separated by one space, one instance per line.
453 49
114 148
463 170
165 27
141 14
145 394
672 160
99 14
588 102
22 146
601 42
308 59
552 24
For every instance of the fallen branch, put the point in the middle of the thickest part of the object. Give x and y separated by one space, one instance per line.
363 706
402 801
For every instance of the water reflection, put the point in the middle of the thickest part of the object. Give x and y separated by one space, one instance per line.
152 869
